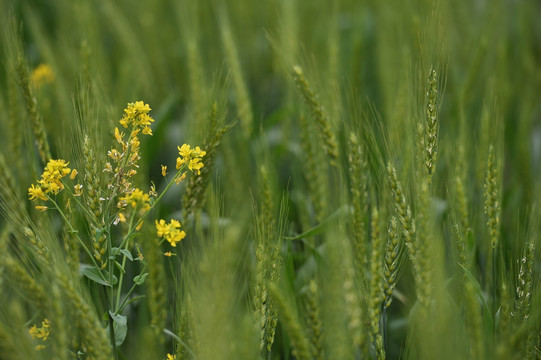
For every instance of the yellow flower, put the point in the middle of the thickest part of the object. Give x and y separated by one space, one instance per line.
73 174
184 150
170 232
42 74
197 152
136 198
42 332
168 253
162 228
190 156
136 115
51 180
175 237
164 170
119 136
121 218
195 164
171 357
135 143
35 192
41 208
180 178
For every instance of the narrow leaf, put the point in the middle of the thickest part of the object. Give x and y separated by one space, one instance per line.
93 273
120 325
140 279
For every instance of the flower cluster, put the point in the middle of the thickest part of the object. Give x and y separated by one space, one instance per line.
170 232
137 199
41 333
127 156
42 74
192 157
136 115
51 180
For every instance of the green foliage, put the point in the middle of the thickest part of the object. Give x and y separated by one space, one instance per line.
369 189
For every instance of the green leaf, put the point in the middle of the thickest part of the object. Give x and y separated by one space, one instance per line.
93 273
479 291
322 226
120 325
114 280
127 254
119 266
140 279
114 252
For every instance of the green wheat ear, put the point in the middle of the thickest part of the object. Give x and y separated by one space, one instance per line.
492 197
432 124
32 110
315 168
194 197
393 252
320 116
376 285
358 173
315 327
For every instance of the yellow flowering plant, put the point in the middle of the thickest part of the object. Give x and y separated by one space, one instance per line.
41 334
122 204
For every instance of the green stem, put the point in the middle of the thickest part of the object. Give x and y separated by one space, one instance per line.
112 336
121 276
119 308
494 294
121 279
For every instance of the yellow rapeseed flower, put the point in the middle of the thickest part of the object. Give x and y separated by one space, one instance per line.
121 218
171 357
192 157
51 180
162 228
35 192
136 198
41 333
136 115
42 74
170 232
119 136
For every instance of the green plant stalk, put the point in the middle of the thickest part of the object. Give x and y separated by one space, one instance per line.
121 276
494 306
119 308
112 335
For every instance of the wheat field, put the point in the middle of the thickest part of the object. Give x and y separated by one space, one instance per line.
284 179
